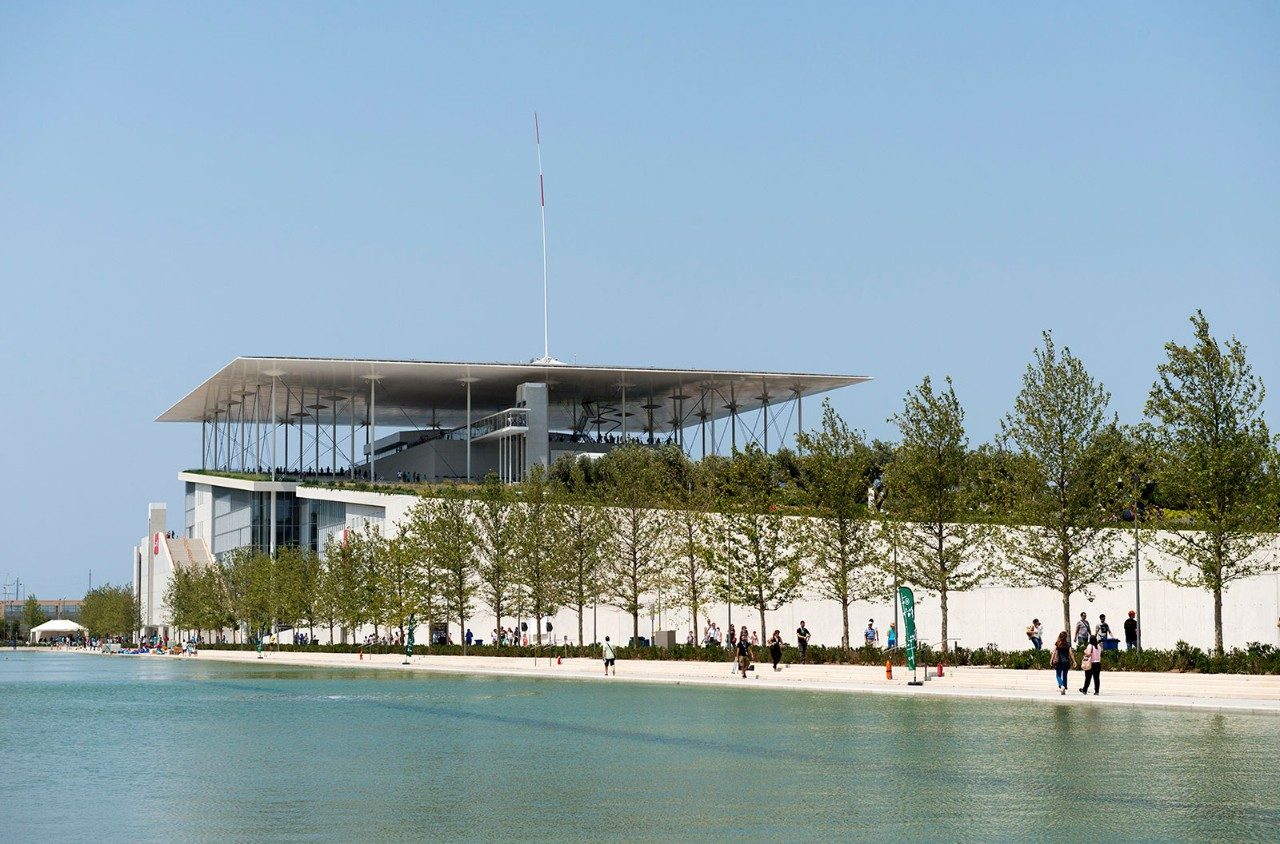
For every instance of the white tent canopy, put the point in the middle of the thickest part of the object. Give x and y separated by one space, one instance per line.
54 629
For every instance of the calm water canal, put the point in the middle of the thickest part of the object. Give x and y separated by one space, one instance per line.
152 749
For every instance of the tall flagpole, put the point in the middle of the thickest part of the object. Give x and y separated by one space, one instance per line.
542 198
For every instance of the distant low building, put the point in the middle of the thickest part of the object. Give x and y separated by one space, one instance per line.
68 608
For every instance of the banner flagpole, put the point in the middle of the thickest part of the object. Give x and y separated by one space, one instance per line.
908 600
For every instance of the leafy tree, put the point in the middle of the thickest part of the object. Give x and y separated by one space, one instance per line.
631 480
1058 491
32 615
110 611
191 599
691 569
408 580
343 582
583 531
539 570
366 548
496 543
1219 456
451 540
759 557
840 538
419 579
298 580
932 486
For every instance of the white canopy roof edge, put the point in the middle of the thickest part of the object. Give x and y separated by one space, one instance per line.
56 627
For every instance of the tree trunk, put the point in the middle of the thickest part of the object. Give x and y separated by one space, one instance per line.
1217 619
844 636
635 628
943 603
695 625
1066 613
581 609
764 637
537 633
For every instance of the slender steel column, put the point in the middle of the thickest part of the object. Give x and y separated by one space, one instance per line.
257 428
204 427
373 429
287 394
800 414
318 408
764 410
273 439
733 417
467 382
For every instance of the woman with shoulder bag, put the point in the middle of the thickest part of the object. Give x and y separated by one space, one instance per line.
1062 660
1092 663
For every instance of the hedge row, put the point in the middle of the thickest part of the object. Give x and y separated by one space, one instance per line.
1257 658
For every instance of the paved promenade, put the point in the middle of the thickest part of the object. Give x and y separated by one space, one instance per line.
1208 692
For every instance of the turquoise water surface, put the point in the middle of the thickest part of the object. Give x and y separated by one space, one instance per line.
164 749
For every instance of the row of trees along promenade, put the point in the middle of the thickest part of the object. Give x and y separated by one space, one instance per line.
842 517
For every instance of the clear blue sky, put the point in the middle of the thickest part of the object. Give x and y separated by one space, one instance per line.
882 189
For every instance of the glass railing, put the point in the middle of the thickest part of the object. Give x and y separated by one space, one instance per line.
516 417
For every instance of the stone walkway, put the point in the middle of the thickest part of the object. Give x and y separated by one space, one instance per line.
1207 692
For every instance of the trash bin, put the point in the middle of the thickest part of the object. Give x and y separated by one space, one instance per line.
1111 644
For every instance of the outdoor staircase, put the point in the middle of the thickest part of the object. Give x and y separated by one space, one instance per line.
189 553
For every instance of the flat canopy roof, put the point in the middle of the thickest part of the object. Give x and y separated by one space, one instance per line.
425 394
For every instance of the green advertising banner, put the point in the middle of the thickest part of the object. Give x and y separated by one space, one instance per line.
908 601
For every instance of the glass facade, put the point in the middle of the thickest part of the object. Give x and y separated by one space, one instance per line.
242 518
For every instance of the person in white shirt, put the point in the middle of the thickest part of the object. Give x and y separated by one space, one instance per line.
610 657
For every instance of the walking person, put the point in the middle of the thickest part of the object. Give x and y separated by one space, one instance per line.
610 657
1131 631
802 639
871 634
1062 660
1082 629
1092 664
1035 632
891 638
775 649
744 652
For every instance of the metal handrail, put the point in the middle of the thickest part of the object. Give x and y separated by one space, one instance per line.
515 417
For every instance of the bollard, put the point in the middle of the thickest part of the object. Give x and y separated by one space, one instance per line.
362 652
559 661
939 669
888 669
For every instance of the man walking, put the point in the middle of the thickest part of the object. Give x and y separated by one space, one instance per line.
1131 631
802 637
1083 630
871 634
610 658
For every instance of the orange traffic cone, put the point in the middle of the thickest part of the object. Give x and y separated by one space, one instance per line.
888 669
939 669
